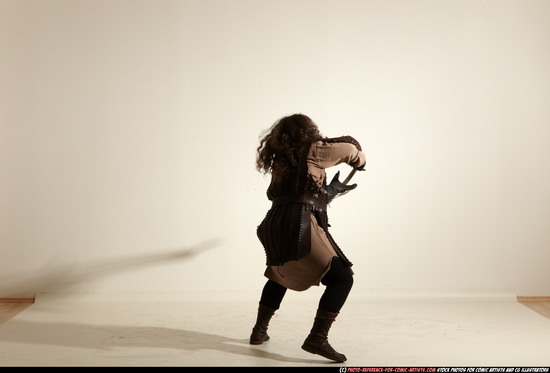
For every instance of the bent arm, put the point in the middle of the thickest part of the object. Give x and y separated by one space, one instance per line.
324 155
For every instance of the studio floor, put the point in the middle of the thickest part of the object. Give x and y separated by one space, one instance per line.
212 330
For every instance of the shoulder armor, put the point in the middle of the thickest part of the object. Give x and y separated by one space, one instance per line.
347 139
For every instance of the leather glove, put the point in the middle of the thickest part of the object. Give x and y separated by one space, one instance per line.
336 187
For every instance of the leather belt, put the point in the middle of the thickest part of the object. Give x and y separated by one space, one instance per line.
309 200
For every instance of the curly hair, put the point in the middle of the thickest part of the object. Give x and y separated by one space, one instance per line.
278 150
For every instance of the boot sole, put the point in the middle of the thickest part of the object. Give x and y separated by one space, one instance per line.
313 350
259 342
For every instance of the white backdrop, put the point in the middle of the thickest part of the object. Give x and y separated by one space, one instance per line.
129 130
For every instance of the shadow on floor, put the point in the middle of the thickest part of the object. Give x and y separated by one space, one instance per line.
105 337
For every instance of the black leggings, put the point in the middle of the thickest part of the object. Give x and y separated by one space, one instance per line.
338 281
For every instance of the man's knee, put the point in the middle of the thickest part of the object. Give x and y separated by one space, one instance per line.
338 275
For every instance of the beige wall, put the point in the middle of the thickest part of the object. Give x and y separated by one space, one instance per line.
129 129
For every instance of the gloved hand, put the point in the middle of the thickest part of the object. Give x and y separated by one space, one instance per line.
336 187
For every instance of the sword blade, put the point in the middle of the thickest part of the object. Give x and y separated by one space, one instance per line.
348 178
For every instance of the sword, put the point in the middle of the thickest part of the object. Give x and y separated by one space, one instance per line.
350 175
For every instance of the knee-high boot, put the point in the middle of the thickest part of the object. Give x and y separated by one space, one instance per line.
259 331
317 340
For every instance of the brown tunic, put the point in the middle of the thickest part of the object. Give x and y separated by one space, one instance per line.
305 271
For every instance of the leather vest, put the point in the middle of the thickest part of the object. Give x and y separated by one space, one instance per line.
285 232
